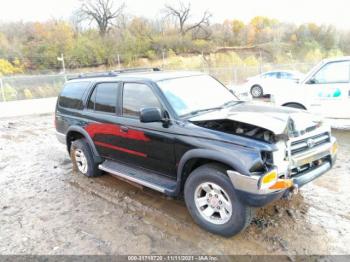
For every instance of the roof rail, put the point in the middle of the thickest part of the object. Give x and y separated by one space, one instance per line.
137 69
114 73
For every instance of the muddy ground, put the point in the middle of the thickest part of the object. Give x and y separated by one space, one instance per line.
45 208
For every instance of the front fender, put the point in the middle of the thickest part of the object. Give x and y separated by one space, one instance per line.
241 162
235 163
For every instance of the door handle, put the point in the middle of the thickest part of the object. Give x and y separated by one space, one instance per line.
124 129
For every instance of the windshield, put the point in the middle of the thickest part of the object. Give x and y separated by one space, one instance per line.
195 93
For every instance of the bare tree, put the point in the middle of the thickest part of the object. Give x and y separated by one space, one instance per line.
102 12
182 14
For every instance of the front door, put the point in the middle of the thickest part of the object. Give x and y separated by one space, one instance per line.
329 89
148 145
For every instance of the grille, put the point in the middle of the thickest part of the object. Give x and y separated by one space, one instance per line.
309 143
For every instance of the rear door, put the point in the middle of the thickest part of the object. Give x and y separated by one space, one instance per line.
102 114
329 90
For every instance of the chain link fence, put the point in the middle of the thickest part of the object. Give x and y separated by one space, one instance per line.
43 86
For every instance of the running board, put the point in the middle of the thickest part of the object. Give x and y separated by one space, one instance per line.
140 176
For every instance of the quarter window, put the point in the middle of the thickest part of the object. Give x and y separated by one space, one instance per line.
72 94
137 96
104 98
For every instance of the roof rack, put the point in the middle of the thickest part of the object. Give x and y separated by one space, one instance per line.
137 69
115 72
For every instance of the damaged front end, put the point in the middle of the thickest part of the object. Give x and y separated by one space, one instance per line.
303 150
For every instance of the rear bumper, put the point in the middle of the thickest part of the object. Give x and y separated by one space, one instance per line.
61 137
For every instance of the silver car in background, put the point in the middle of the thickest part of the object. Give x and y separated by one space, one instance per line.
266 83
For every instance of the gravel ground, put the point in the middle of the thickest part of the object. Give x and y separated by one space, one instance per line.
45 208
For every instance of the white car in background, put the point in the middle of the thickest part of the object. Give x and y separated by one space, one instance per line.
325 90
266 83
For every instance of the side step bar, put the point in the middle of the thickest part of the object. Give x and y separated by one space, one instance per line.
140 176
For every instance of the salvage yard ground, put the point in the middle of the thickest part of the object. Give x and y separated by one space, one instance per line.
45 208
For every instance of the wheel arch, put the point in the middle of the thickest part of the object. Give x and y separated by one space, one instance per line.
198 157
77 132
295 103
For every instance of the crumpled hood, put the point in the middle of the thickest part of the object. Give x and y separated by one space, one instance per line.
279 120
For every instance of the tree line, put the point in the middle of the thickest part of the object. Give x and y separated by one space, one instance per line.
101 33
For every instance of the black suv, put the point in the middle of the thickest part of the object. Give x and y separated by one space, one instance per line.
185 134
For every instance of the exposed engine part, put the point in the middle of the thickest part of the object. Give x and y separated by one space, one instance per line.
238 128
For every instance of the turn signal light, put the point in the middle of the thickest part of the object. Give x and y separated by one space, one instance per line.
334 148
282 184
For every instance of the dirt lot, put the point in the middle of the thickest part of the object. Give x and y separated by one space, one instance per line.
47 209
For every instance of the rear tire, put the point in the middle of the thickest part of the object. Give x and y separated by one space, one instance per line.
83 159
256 91
213 203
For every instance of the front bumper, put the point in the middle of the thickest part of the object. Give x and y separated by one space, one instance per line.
302 179
251 194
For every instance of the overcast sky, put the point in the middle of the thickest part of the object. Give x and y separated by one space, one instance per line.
334 12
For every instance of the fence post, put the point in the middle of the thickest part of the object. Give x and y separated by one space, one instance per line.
235 75
2 90
163 58
118 62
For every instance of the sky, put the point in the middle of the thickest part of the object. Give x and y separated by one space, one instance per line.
334 12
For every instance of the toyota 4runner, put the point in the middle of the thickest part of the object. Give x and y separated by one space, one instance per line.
185 134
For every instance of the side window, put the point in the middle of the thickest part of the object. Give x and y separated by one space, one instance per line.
337 72
72 94
137 96
285 75
270 75
104 98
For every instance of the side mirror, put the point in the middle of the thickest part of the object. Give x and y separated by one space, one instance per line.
311 81
151 114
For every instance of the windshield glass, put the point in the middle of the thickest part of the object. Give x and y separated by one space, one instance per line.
195 93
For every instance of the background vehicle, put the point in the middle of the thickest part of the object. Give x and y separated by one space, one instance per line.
266 83
184 133
325 90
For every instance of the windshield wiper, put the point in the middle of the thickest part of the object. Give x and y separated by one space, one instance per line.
229 103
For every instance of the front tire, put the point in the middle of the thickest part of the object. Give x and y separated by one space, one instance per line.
213 203
83 159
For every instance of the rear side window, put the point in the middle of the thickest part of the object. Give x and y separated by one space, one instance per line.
104 98
72 94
